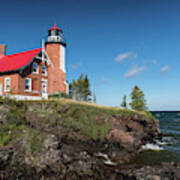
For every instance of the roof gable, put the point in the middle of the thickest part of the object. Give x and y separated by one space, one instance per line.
17 61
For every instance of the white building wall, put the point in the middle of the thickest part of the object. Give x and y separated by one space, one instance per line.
62 58
23 97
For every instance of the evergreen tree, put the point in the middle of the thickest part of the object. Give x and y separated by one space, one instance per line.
80 89
86 89
124 103
74 89
94 98
138 101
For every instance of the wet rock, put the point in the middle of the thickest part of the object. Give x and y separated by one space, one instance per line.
166 171
5 157
124 138
154 177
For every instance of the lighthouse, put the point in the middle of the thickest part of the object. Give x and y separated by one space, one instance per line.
56 50
35 74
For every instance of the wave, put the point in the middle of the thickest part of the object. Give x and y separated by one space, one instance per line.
153 147
162 143
107 160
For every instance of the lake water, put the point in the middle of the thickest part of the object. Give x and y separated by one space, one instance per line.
170 127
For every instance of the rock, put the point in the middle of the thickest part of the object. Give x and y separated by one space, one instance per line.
177 173
68 152
155 178
124 138
51 142
5 157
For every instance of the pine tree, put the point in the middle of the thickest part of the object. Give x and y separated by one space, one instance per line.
138 101
124 103
74 89
80 89
94 98
86 89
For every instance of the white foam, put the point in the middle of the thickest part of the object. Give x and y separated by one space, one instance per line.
105 156
153 147
162 143
107 161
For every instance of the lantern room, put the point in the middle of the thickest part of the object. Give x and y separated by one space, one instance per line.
55 34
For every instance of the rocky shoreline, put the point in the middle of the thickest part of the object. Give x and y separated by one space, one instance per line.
47 143
60 161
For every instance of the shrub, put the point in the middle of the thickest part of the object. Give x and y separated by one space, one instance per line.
60 95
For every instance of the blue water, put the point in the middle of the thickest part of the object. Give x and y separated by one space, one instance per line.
170 127
169 122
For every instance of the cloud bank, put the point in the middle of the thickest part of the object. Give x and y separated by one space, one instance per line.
123 56
134 71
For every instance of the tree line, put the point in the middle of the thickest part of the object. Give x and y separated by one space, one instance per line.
138 101
80 90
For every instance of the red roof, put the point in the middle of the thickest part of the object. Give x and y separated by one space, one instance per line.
54 28
16 61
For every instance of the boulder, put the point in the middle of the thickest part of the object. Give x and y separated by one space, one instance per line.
124 138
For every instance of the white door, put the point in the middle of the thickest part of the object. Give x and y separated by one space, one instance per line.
44 89
1 89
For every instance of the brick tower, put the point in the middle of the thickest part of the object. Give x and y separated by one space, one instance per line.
55 48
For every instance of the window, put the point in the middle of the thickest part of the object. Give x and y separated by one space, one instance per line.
27 84
44 70
44 86
53 33
7 84
35 67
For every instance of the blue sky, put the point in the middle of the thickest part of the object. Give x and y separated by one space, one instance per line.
117 43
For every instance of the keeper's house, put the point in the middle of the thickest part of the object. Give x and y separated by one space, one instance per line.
37 73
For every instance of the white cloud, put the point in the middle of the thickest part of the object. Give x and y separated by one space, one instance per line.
151 61
123 56
134 71
165 69
76 66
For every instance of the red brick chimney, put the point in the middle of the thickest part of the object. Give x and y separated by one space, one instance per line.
2 49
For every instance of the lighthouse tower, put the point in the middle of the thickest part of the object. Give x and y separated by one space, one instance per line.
55 34
55 48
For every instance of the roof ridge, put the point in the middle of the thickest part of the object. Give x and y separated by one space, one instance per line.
23 52
17 61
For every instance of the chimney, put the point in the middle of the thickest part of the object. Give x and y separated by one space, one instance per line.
2 49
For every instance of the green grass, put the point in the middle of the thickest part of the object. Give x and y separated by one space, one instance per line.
34 141
88 119
80 116
10 134
4 139
32 138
